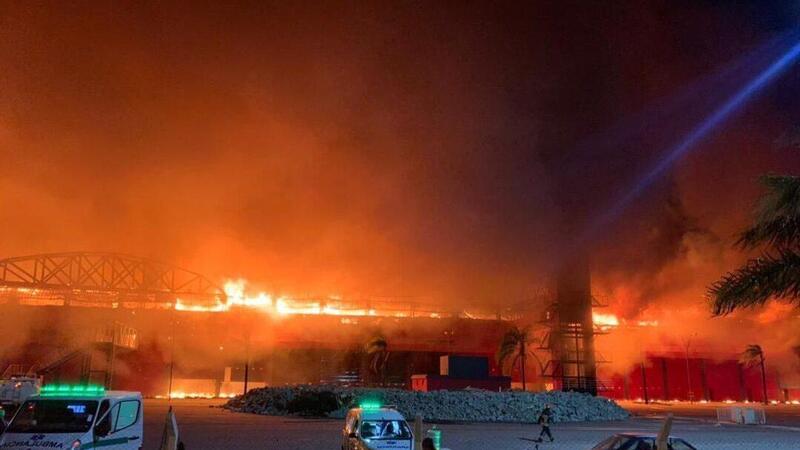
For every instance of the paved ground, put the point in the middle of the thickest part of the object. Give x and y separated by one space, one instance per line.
784 415
204 426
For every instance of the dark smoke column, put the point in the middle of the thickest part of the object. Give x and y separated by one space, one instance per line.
572 329
577 103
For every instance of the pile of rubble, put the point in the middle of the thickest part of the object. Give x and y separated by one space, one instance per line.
437 406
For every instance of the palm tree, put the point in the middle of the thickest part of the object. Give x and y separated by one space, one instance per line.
754 355
515 347
776 273
378 350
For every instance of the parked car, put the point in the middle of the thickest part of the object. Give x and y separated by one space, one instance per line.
640 441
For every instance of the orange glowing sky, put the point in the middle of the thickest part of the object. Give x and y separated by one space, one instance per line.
380 150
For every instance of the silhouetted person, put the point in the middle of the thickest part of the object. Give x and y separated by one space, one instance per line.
544 421
427 444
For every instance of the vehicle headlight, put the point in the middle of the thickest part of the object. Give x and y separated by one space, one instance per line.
76 445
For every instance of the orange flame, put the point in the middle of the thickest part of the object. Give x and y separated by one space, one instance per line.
605 321
237 296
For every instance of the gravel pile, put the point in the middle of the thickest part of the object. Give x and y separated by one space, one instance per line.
437 406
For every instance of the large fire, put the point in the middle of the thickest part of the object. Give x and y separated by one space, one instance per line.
609 321
237 296
280 306
605 321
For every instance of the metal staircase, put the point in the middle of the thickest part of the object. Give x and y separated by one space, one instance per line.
109 340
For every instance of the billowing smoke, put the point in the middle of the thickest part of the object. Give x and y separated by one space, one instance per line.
685 243
386 150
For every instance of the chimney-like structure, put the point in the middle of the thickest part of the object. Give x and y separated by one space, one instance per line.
577 104
572 335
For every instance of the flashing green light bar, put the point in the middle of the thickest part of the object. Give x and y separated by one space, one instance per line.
80 390
370 405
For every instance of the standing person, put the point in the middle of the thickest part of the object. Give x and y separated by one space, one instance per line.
544 421
427 444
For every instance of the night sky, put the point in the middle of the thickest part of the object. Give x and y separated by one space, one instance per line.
428 149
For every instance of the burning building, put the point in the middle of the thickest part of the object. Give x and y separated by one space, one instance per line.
396 169
179 318
135 323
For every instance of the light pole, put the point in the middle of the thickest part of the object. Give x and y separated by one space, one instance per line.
246 364
644 384
643 355
247 335
171 356
690 394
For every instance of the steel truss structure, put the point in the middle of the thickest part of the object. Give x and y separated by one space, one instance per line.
102 277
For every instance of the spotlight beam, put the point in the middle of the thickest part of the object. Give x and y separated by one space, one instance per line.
691 139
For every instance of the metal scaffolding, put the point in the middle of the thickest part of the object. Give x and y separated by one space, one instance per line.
570 333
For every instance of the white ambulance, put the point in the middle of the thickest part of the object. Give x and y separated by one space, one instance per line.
375 427
77 417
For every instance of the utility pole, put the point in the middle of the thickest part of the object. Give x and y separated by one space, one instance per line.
690 394
522 353
764 378
704 380
246 375
171 356
246 363
644 384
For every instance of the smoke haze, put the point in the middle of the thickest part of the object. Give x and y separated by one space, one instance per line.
384 149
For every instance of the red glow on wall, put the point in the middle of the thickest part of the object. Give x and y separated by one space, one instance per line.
666 378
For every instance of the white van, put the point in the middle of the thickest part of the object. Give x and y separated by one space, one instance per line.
374 427
15 390
77 417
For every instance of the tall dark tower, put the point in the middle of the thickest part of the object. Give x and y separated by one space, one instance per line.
572 330
578 102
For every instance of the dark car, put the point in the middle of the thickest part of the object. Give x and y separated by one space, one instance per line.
640 441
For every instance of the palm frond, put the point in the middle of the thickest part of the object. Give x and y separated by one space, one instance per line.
376 344
777 221
507 348
512 349
778 232
771 276
751 355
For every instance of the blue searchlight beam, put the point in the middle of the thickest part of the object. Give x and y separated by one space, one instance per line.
717 117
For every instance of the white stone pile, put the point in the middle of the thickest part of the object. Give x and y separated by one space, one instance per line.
443 406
